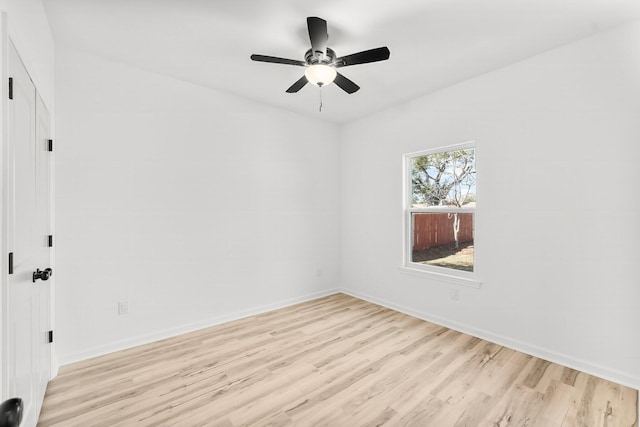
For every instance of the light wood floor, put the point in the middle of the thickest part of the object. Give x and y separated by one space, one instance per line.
336 361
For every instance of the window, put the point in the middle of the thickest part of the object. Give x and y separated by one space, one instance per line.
439 213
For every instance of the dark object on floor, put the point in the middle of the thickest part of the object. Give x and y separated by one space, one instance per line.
11 412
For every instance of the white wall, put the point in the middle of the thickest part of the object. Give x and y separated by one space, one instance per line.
558 219
193 205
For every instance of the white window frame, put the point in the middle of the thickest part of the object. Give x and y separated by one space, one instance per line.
449 275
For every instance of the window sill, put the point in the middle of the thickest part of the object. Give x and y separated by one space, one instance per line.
455 280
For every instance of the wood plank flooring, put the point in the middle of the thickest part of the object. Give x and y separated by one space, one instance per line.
335 361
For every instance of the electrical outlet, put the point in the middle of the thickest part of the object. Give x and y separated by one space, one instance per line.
455 295
123 308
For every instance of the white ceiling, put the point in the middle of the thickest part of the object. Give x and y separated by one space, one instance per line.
433 43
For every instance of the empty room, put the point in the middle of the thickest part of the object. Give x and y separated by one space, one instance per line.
338 213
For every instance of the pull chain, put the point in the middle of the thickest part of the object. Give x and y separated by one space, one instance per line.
320 109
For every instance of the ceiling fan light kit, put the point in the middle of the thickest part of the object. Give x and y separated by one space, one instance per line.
321 62
320 74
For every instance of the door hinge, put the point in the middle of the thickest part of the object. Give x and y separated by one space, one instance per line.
10 262
50 240
50 336
51 145
10 87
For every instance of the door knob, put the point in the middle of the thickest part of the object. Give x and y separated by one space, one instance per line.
42 275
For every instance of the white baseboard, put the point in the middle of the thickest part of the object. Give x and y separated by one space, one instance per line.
183 329
533 350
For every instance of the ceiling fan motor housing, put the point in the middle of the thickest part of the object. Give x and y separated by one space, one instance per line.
311 57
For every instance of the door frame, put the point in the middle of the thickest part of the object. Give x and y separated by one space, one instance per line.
6 209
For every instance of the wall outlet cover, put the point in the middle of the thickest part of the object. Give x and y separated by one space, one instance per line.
123 308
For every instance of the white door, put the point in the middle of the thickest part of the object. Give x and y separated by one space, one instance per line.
28 354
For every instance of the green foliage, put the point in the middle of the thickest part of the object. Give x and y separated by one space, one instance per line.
446 178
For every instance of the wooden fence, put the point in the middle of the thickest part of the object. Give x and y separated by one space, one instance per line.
436 229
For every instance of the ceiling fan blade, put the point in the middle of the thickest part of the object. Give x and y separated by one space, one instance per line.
297 85
276 60
345 84
318 34
371 55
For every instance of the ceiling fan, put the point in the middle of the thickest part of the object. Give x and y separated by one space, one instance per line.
321 62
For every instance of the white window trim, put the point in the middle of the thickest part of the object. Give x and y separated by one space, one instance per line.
456 277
